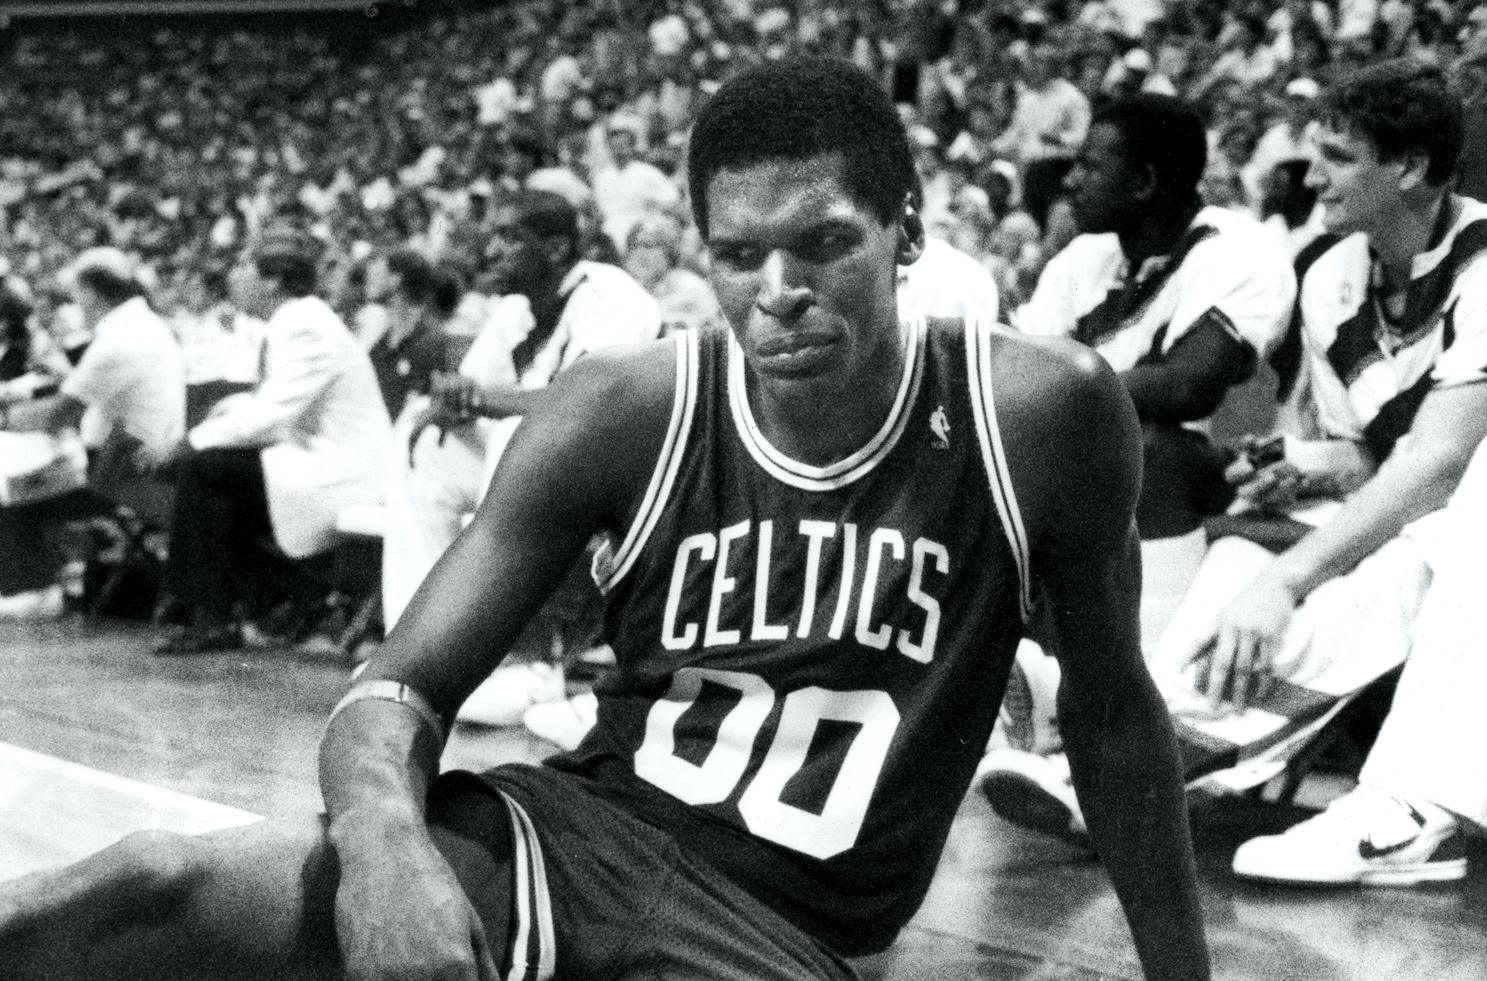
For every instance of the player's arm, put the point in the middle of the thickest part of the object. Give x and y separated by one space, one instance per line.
1086 561
1417 478
1191 380
48 414
576 465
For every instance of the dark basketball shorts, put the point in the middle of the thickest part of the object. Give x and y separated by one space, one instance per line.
570 885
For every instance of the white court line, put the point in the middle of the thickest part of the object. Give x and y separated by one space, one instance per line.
53 811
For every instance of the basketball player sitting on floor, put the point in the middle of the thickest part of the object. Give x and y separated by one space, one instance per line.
828 528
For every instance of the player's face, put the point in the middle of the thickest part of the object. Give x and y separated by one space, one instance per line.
251 292
803 271
516 262
1100 183
1355 188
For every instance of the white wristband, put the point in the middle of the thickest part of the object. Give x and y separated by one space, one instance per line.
395 691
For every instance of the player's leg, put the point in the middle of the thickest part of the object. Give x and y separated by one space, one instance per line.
425 509
250 902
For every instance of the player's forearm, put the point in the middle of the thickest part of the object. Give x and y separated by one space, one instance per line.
377 760
1127 774
42 415
503 401
1170 395
1408 486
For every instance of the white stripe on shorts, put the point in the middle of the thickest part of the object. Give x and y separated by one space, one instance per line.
533 946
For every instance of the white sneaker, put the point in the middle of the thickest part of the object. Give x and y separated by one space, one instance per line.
1034 792
511 690
37 604
1028 716
1365 838
564 722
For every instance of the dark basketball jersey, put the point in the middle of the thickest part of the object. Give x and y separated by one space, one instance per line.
810 659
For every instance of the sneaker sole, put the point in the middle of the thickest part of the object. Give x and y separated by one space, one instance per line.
1404 875
1021 801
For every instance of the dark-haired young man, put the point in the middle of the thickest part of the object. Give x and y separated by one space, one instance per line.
419 298
827 527
312 437
1181 299
1394 324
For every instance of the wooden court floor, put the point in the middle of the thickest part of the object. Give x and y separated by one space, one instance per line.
98 738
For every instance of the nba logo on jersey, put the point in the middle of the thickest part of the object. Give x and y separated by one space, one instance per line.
939 426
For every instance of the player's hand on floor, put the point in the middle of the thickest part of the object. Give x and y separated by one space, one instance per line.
402 916
1236 661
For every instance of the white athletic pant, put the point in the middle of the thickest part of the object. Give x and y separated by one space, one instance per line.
1346 634
430 502
1433 741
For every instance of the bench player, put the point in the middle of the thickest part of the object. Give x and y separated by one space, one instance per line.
827 529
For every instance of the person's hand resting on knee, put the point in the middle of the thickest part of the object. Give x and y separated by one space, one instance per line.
1235 660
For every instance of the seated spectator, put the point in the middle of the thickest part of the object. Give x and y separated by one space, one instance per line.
1049 123
1288 139
526 166
554 309
628 188
419 298
126 395
1422 780
1247 61
30 361
1135 72
1181 299
278 462
1395 340
653 258
1178 297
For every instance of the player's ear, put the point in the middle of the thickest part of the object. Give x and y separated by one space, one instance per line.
558 249
1144 186
910 234
1412 172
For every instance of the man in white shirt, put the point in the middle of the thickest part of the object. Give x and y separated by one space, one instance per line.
631 187
1048 125
553 309
282 460
127 394
1289 139
1182 300
131 378
1394 323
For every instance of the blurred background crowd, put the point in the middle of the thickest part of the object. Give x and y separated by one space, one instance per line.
174 141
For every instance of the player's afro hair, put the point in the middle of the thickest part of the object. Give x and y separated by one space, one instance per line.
1162 132
799 108
1405 108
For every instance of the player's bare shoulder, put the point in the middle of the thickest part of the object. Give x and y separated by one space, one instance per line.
1068 426
601 424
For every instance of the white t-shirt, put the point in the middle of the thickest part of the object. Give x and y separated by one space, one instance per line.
605 307
625 195
133 377
1368 377
946 282
1225 262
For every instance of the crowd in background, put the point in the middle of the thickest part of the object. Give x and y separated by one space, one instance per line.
175 142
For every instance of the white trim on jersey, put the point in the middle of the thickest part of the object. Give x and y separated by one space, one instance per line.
999 475
533 903
845 471
610 567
